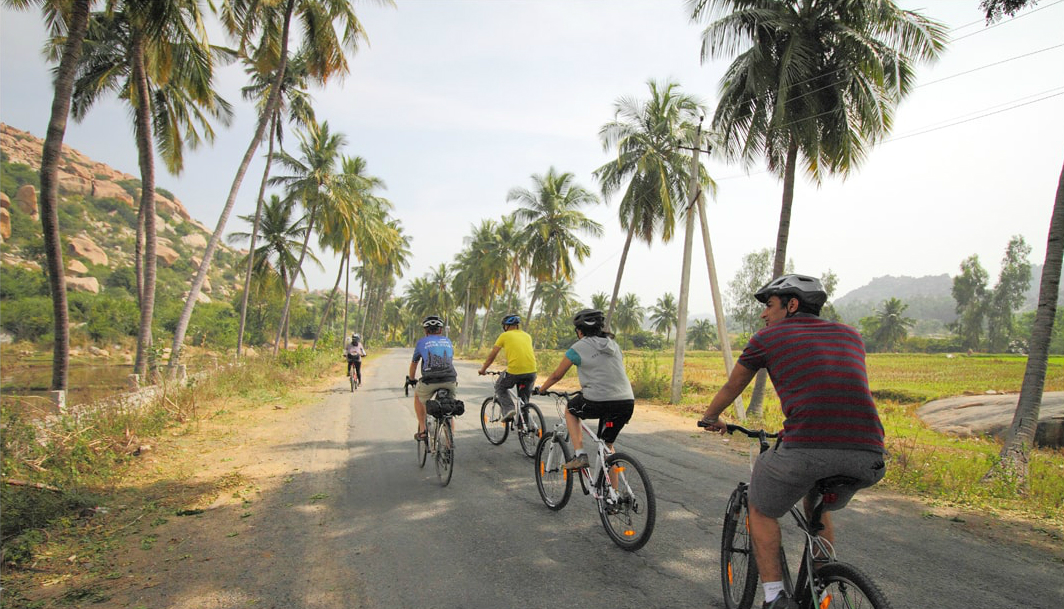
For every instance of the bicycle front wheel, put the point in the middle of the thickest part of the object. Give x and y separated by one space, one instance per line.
629 520
444 452
531 430
844 586
554 483
495 429
738 571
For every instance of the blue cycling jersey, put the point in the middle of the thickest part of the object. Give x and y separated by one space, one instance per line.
436 354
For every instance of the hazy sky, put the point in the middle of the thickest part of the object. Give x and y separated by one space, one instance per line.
455 103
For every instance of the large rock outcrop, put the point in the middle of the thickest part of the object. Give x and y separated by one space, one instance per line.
26 198
85 248
5 224
83 284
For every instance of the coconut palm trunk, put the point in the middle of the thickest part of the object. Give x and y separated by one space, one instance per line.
757 398
1015 454
620 272
295 277
328 303
51 155
147 203
347 293
484 326
254 235
201 275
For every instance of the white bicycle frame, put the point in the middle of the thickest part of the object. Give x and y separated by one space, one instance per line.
601 452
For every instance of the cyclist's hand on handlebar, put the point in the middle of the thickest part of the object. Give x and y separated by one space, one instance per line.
713 424
482 372
537 391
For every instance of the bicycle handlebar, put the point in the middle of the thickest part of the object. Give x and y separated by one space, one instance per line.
758 433
493 372
558 394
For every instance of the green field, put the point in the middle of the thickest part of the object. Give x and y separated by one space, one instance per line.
939 467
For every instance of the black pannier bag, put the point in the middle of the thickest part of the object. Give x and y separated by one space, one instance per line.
444 403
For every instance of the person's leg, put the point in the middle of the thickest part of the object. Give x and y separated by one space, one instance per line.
358 370
765 534
502 394
419 408
576 434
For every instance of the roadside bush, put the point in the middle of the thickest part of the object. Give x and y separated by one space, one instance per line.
27 318
213 324
648 340
19 282
296 358
648 380
14 175
106 316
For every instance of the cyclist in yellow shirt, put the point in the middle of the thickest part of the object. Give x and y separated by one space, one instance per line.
520 364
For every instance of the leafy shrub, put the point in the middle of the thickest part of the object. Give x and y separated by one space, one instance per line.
19 282
14 175
648 380
106 316
647 340
213 324
295 358
124 278
27 318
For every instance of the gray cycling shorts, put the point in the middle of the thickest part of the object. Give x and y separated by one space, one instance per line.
782 475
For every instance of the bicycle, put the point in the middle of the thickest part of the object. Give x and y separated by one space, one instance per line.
528 422
823 581
352 373
617 481
441 409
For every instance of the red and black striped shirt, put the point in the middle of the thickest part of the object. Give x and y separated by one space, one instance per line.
818 370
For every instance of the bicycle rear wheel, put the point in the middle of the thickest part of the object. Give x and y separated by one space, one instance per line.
554 483
630 521
352 384
495 429
531 431
444 452
844 586
738 571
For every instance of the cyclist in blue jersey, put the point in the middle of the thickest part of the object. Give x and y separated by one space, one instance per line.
436 354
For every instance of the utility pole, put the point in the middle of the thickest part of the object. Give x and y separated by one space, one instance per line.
718 305
685 276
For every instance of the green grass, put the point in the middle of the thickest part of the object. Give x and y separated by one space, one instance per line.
936 466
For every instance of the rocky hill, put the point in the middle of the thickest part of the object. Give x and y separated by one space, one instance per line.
97 219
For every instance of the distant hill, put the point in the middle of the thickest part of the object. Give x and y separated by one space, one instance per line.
929 298
97 219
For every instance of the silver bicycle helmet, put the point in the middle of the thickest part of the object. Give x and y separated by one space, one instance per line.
806 289
432 321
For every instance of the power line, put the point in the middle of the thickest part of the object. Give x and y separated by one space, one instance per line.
902 137
994 25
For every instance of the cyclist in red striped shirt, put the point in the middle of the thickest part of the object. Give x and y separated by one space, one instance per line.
831 426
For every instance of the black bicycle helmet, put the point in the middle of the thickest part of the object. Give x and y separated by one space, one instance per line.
806 289
432 321
511 320
588 319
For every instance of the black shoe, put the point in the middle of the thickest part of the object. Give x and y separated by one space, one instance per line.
783 601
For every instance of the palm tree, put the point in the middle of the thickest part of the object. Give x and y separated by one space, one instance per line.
600 301
663 315
630 315
701 333
70 19
359 218
313 181
656 170
556 298
280 235
888 326
262 29
295 99
551 220
816 79
157 57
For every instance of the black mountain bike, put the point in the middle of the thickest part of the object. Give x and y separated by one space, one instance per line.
823 582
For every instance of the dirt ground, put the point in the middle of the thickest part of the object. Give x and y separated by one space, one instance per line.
190 510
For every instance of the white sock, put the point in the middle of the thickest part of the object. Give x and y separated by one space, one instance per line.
772 590
579 452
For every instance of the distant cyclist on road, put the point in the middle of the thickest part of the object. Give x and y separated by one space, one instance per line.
831 427
354 352
520 364
436 354
605 391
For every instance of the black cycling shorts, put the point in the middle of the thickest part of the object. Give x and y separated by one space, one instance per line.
612 415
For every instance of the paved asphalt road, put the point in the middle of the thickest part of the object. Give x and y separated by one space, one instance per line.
487 541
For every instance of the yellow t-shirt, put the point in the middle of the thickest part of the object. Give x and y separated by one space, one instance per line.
520 359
